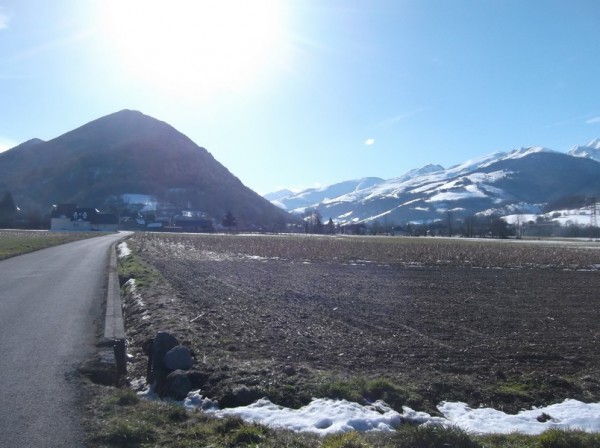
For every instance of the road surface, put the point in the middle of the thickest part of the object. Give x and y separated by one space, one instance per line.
50 308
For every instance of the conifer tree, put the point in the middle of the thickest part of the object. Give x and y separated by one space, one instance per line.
8 210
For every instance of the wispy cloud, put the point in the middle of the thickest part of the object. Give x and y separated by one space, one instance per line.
369 141
572 120
593 120
4 19
401 117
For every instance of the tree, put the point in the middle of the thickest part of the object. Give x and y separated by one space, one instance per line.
376 228
8 210
498 227
318 224
469 226
449 222
330 227
229 220
313 222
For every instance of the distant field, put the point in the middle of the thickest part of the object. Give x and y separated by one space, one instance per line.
17 242
501 323
567 254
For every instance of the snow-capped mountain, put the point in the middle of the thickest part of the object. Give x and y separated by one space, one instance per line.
311 197
277 195
591 150
519 181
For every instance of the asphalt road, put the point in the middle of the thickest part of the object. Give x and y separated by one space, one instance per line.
50 309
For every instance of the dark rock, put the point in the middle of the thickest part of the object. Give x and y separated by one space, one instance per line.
178 358
157 371
289 370
240 396
198 378
543 417
147 346
163 342
177 385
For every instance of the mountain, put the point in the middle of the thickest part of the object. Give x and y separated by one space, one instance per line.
279 194
519 181
591 150
126 153
314 196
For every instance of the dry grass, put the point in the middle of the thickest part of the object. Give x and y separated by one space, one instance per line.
18 242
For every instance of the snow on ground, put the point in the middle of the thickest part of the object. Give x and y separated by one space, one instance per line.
570 414
470 191
579 217
123 250
326 416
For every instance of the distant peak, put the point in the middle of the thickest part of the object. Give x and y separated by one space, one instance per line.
127 118
128 112
33 141
523 152
590 151
594 144
29 143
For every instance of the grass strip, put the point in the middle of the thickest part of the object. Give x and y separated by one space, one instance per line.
125 420
13 243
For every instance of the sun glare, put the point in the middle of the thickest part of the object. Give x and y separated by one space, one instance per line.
194 48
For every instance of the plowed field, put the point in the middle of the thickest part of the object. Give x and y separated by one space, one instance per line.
502 324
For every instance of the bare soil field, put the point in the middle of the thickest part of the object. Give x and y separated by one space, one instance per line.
501 324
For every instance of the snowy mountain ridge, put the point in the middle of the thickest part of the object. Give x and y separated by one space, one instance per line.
590 150
523 179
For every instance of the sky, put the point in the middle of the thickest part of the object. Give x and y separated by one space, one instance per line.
303 93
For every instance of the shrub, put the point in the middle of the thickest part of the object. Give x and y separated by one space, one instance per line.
124 432
410 436
347 440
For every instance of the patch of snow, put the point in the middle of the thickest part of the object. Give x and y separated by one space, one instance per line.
521 218
523 152
427 187
579 217
322 416
279 204
473 164
570 414
488 177
123 250
379 216
325 416
469 192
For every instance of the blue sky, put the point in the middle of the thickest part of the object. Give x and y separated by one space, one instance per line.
295 93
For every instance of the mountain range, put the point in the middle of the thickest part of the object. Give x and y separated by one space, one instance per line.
122 155
520 181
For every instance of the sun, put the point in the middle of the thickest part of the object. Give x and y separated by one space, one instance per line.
194 47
